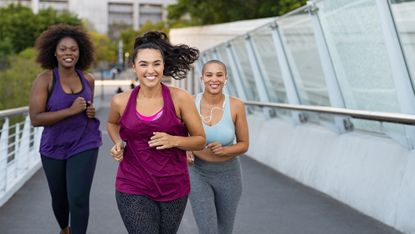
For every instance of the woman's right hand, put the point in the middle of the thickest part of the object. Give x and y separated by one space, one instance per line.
117 151
78 105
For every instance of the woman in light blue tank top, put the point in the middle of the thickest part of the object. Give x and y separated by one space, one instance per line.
215 173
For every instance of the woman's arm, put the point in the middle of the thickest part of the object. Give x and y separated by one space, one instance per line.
37 103
241 133
91 82
90 108
118 103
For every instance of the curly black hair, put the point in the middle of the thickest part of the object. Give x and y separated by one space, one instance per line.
177 59
47 42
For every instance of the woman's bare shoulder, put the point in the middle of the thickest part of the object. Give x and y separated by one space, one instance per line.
45 76
179 93
236 102
89 77
121 97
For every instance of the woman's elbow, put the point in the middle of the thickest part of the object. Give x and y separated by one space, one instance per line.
201 143
245 147
35 122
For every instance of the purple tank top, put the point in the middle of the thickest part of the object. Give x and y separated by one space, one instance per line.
74 134
161 175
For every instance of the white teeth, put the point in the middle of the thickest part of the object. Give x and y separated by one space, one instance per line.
150 77
68 60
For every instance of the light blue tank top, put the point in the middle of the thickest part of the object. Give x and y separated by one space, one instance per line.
224 130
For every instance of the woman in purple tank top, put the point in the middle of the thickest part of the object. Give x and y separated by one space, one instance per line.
61 102
152 126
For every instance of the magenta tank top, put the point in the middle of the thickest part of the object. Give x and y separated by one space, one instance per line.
161 175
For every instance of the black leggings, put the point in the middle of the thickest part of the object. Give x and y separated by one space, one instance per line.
141 215
70 184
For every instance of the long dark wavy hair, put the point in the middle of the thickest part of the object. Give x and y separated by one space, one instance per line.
177 59
47 42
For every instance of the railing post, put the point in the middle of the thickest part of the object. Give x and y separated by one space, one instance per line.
23 160
17 144
333 88
34 153
4 144
258 75
286 73
236 72
400 73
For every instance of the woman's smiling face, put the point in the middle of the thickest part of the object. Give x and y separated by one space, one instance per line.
214 77
67 52
149 67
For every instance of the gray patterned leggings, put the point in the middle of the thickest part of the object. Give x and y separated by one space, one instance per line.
215 192
140 214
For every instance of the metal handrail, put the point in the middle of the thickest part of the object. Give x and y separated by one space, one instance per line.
13 112
358 114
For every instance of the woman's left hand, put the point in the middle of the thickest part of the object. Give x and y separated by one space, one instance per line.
90 110
216 148
190 157
162 140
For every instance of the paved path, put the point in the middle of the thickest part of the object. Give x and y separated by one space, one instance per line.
271 203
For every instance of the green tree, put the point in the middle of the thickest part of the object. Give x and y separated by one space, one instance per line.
105 49
128 36
202 12
16 82
19 26
49 16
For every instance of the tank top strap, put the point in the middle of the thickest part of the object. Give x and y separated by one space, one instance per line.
197 101
56 81
227 105
168 100
52 88
83 78
131 104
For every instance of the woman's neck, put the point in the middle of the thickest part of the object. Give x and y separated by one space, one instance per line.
66 72
213 99
153 92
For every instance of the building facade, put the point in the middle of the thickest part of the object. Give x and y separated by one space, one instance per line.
105 15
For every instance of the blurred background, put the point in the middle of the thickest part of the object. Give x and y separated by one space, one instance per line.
112 24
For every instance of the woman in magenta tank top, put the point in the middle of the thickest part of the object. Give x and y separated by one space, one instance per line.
62 102
152 126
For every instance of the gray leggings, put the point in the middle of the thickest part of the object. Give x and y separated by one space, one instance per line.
215 192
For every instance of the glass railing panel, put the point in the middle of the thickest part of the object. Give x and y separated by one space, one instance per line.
355 39
262 38
302 53
208 55
242 58
404 16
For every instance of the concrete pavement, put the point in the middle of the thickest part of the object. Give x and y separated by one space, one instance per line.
271 203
